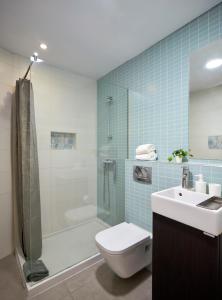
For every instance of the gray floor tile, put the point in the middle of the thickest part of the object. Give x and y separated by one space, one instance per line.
10 282
95 283
101 283
59 292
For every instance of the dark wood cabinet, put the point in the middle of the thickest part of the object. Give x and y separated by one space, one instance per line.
186 262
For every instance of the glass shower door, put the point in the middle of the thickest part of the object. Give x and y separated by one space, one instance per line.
112 152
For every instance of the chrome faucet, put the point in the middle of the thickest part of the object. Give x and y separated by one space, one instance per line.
185 177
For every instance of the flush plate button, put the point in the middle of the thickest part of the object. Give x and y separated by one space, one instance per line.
142 174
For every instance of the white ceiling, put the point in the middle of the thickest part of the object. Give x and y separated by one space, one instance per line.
200 77
92 37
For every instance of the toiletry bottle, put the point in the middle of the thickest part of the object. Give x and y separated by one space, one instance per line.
215 189
200 184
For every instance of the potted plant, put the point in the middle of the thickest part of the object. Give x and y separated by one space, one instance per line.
179 155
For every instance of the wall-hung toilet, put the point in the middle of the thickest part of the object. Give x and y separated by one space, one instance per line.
126 248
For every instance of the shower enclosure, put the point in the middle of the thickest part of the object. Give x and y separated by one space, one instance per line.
81 188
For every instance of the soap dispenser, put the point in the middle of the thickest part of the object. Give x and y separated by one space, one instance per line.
200 184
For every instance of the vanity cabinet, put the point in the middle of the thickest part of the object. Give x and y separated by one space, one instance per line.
187 264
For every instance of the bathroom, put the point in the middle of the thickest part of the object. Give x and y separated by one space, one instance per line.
112 117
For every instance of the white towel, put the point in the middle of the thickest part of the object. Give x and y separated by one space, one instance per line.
151 156
145 149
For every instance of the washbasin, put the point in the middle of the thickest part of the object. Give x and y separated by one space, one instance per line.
186 196
185 206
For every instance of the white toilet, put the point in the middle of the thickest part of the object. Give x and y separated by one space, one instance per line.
126 248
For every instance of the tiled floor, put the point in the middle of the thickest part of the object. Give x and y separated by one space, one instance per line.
95 283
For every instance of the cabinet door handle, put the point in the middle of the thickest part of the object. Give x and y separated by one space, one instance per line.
209 234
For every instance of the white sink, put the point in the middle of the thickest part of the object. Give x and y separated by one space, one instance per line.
181 205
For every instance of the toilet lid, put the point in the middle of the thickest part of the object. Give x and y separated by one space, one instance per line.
121 237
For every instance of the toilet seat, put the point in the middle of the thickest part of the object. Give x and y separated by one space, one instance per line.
121 238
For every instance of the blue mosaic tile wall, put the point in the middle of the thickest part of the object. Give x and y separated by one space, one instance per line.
158 84
164 175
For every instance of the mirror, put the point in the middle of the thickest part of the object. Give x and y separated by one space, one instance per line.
205 102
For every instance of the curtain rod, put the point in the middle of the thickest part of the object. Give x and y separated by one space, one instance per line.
34 58
29 68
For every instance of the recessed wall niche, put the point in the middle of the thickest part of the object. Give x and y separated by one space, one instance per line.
63 140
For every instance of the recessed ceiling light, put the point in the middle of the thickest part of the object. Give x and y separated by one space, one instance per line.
214 63
43 46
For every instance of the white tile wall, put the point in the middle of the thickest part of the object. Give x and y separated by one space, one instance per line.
63 102
6 222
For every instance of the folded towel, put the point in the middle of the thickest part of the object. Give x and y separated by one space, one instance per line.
151 156
35 270
145 149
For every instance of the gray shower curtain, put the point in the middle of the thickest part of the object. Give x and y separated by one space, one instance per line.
25 170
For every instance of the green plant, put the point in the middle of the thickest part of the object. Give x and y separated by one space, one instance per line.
170 158
180 153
